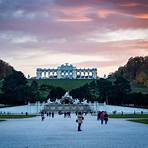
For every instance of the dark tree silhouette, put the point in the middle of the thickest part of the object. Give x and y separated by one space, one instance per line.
14 88
5 69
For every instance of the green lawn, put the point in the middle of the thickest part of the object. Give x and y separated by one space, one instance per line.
145 121
15 116
129 116
64 83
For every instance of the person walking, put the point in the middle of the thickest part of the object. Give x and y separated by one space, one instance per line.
102 117
98 115
42 116
52 114
79 120
106 117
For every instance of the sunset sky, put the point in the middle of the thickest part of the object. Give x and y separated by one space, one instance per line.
86 33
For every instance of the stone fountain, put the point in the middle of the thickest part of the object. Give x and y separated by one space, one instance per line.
67 104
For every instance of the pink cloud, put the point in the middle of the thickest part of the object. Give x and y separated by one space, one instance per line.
103 13
74 19
61 27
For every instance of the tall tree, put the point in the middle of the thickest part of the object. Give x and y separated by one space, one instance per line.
56 93
81 93
14 88
122 88
5 69
34 91
104 87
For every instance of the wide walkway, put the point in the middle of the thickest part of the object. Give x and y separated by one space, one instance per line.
62 133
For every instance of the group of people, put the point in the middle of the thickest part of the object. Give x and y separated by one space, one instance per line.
102 116
67 114
48 114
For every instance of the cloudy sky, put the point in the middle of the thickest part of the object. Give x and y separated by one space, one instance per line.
86 33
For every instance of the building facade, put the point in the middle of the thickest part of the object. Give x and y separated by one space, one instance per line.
66 71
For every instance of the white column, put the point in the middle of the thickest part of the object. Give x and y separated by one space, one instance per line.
52 73
74 74
48 73
44 74
40 74
37 74
89 74
94 74
55 71
80 73
64 74
58 74
84 74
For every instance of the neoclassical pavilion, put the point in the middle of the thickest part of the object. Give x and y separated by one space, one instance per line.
66 71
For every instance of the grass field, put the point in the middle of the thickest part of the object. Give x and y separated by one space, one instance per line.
15 116
64 83
145 121
129 116
75 83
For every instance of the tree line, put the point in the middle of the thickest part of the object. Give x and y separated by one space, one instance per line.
136 70
17 90
113 92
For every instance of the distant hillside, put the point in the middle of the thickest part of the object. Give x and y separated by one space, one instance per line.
5 69
136 70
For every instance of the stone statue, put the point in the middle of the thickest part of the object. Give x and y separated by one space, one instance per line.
57 101
76 101
48 101
67 95
84 101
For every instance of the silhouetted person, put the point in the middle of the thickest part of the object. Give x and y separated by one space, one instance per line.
42 116
79 120
98 115
49 114
106 117
102 117
52 114
64 114
69 114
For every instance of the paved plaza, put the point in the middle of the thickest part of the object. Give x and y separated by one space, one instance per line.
61 132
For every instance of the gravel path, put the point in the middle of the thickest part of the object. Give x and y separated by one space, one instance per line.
62 133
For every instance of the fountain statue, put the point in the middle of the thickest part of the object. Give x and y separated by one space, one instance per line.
48 101
76 101
84 101
67 103
57 101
